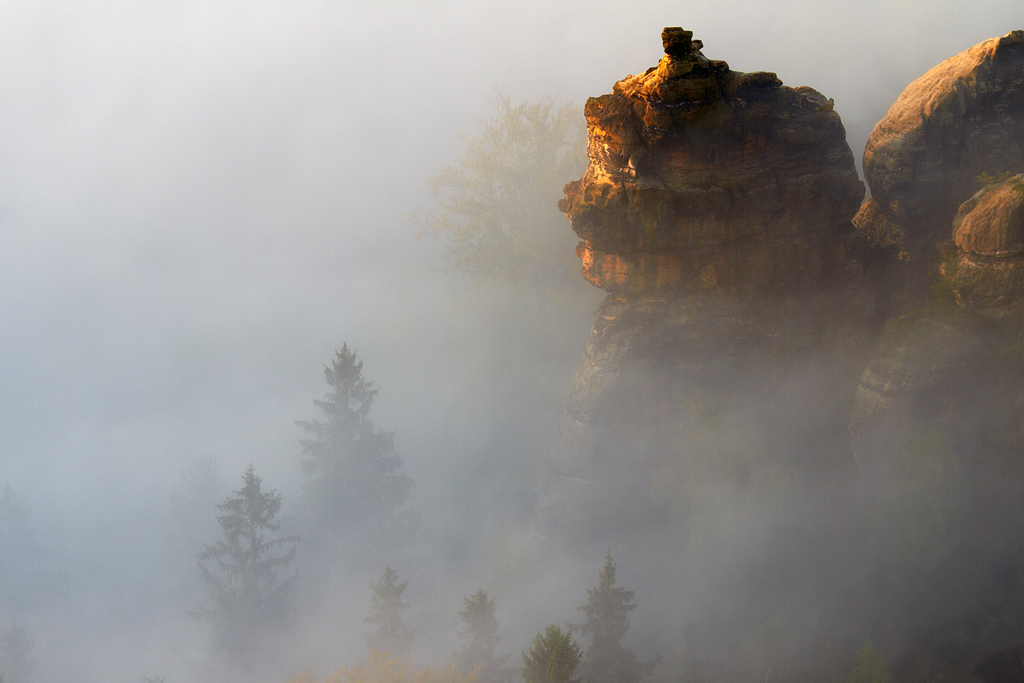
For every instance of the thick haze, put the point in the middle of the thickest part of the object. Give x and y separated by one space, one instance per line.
199 202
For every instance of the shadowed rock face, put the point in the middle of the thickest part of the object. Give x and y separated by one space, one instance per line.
716 211
954 368
962 118
947 367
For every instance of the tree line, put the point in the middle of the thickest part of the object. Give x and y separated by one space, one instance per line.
554 656
355 489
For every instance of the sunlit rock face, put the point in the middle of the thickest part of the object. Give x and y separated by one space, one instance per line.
962 118
702 178
987 271
716 211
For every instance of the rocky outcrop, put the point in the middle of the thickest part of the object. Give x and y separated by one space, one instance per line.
986 273
962 118
707 179
716 212
954 369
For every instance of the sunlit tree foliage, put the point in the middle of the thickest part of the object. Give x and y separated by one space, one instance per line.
385 668
553 658
496 211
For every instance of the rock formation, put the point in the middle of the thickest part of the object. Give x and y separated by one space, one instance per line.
757 332
716 211
760 330
987 271
937 367
706 179
962 118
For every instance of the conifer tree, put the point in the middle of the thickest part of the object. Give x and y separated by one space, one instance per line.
607 610
553 658
390 632
480 626
242 570
354 476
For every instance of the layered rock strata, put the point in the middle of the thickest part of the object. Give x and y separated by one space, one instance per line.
716 212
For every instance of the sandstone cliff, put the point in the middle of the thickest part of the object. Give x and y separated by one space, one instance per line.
716 211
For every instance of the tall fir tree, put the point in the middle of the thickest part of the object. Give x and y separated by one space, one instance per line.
480 627
242 571
354 476
554 657
606 660
390 633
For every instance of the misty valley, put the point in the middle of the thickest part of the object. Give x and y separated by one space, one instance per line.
787 446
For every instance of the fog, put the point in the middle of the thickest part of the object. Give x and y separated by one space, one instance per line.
200 202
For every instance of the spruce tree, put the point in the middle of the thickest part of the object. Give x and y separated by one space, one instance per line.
553 658
354 476
242 570
480 627
607 610
390 632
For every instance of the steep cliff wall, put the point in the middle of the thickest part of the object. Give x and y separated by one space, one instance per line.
955 368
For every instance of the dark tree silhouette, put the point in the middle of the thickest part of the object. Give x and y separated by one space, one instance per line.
553 658
242 571
390 632
607 610
355 483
